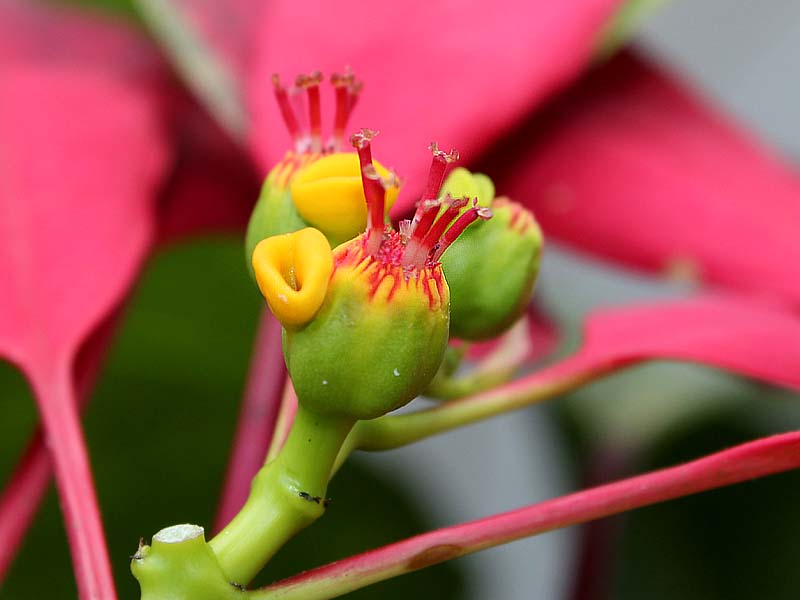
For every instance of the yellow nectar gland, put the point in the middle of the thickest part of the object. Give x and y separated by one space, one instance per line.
329 195
292 271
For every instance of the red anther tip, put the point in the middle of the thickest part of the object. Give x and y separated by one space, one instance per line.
484 212
456 202
306 81
448 157
405 230
343 80
363 137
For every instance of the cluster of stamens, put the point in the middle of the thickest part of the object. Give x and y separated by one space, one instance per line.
304 99
437 222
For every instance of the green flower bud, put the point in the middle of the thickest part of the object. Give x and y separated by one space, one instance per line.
315 185
492 268
378 338
369 337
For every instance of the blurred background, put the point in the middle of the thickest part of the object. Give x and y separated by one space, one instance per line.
167 399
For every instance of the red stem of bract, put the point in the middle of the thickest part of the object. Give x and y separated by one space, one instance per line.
256 419
56 398
754 459
599 539
24 492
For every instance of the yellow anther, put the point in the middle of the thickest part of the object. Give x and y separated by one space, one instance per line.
328 195
292 271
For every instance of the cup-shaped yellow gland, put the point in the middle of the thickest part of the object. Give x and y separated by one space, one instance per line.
378 338
305 190
292 272
492 267
274 212
328 195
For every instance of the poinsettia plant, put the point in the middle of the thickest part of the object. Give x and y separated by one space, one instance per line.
379 285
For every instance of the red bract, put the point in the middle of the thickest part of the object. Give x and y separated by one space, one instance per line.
78 220
626 165
631 167
437 71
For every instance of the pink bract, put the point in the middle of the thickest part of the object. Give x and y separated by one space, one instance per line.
631 167
425 79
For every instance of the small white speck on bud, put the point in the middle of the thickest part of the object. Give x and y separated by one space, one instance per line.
396 372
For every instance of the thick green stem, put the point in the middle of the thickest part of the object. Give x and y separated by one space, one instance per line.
287 495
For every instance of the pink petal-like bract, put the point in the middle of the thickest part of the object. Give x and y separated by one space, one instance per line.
631 167
55 35
749 338
457 73
81 158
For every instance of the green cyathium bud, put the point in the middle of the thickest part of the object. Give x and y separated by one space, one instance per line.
492 267
317 184
379 335
378 339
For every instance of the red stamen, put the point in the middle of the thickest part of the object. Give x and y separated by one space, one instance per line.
341 84
405 230
424 217
457 228
436 174
374 191
289 118
426 213
436 231
311 84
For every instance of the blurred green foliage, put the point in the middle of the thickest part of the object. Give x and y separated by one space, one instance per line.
159 429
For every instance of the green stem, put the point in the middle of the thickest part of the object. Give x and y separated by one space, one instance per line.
287 495
385 433
445 387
